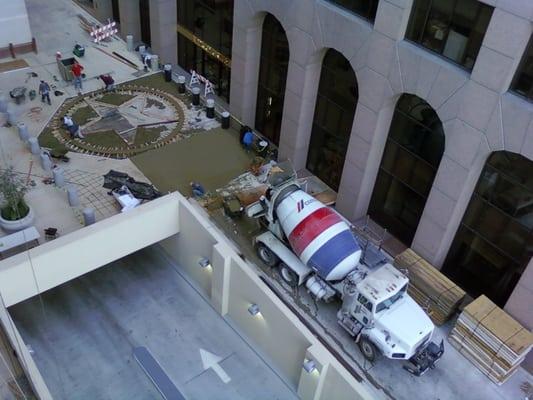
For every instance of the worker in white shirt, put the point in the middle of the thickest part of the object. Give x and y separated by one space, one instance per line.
73 128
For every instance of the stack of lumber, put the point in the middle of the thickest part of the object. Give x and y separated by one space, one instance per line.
492 340
429 288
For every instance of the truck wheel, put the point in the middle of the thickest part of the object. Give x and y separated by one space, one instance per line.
288 275
266 255
369 350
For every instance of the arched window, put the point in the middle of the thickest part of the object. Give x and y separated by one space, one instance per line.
410 161
494 242
334 112
272 79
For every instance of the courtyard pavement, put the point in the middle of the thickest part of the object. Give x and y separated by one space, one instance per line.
55 25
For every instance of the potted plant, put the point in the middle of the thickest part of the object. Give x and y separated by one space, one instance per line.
15 214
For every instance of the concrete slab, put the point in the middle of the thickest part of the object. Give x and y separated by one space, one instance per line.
212 158
83 338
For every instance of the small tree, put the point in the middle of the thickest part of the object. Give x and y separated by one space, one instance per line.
13 189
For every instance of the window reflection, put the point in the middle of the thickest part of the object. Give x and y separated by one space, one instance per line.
365 8
523 82
410 161
332 124
272 79
452 28
494 243
144 9
212 23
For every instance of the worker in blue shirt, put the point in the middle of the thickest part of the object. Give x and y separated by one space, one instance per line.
248 139
197 189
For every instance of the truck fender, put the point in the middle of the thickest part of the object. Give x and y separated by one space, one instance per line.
362 334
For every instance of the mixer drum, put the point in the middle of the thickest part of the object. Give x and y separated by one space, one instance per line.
318 235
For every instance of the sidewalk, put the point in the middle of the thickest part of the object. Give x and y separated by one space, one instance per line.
55 26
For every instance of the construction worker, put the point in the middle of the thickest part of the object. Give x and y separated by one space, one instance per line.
44 91
108 81
77 69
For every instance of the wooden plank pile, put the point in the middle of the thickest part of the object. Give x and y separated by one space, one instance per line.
429 288
492 340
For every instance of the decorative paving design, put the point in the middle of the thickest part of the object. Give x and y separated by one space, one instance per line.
120 124
92 194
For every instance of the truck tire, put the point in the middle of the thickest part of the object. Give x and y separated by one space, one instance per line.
266 255
288 275
368 349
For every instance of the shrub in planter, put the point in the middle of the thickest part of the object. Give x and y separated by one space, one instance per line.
12 189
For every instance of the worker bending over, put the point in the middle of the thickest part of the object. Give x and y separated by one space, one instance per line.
108 81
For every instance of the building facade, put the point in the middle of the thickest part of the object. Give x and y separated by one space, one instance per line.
440 144
418 112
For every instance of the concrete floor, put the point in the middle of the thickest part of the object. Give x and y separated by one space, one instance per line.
454 378
212 158
55 25
83 340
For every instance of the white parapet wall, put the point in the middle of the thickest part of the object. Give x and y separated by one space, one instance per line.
14 23
188 236
68 257
232 286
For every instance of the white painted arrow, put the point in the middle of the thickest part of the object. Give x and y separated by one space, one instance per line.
210 360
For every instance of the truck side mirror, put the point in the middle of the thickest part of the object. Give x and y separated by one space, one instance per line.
357 309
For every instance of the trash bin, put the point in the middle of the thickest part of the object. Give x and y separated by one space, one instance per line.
168 73
65 68
210 108
225 120
181 84
79 50
196 96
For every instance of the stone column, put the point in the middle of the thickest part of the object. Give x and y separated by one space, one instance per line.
303 76
163 21
130 19
245 54
103 10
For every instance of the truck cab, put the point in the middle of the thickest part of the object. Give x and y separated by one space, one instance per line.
384 319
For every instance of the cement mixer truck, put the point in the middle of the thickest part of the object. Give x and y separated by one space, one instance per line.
312 245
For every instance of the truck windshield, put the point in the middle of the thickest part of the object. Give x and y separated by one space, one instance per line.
386 304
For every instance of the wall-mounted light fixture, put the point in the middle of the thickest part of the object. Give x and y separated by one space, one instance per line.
254 309
204 262
309 366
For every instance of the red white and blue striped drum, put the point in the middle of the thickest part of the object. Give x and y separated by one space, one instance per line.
318 235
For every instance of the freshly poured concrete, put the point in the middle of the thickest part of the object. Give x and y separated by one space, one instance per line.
212 158
84 337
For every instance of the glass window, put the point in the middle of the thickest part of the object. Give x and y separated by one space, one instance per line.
205 29
272 79
386 304
332 124
364 301
523 82
211 21
144 9
365 8
115 11
452 28
494 242
410 161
